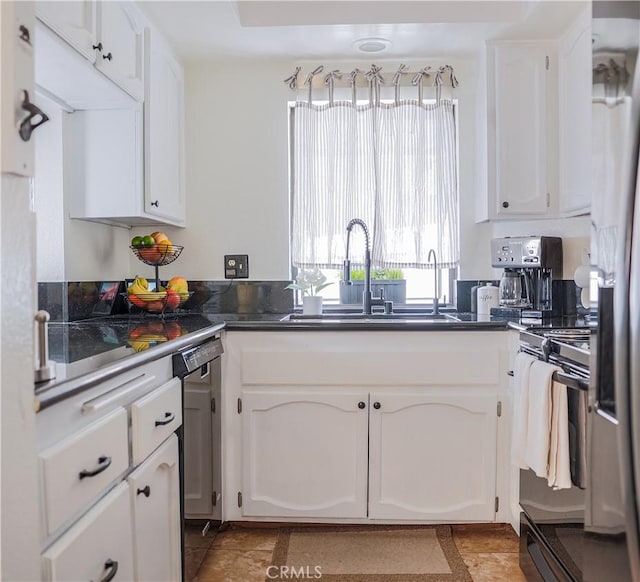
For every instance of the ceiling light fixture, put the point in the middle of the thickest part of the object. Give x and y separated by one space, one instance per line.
371 45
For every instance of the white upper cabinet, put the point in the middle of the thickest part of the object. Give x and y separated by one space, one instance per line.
574 84
121 46
519 129
75 22
164 194
108 34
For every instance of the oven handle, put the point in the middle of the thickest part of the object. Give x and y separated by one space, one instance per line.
571 381
568 380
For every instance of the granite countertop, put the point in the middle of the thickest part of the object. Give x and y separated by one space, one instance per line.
89 351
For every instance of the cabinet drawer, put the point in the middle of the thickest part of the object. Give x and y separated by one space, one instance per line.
99 544
154 418
78 468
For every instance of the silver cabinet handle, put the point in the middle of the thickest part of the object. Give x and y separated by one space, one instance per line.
117 393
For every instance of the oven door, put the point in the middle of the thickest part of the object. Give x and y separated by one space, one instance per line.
555 518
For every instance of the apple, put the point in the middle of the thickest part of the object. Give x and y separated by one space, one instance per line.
135 300
150 254
178 284
173 299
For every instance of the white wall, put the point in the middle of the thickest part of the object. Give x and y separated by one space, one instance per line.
69 249
237 166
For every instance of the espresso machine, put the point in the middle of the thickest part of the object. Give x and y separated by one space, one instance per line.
531 283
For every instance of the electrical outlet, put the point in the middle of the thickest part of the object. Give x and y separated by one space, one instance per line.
236 266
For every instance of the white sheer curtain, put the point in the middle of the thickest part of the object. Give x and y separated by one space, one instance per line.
394 165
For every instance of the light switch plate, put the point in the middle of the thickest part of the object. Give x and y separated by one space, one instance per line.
236 266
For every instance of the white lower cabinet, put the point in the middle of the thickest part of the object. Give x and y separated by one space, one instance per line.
432 455
358 427
154 488
384 455
98 547
305 453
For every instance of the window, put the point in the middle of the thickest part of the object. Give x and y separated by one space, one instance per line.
395 166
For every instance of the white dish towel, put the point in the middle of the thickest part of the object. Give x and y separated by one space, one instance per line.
519 424
539 418
559 456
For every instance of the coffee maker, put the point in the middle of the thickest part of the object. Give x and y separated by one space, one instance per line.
531 281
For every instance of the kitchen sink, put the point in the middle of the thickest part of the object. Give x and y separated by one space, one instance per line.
350 317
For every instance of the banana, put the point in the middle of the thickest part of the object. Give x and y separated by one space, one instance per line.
153 295
140 286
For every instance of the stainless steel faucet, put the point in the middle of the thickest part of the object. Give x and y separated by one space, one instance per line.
367 297
436 286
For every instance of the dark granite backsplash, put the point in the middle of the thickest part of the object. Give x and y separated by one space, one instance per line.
76 300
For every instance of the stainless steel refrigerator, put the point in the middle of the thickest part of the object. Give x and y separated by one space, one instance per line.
613 488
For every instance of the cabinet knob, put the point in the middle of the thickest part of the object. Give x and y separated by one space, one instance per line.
98 47
377 405
25 36
505 204
146 491
112 567
361 405
156 203
108 56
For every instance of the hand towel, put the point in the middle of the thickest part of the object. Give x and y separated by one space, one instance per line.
559 454
539 418
520 401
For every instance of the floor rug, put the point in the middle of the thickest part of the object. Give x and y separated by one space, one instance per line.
368 554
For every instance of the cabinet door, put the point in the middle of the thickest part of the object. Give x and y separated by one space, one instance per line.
518 140
18 24
164 132
198 459
432 456
304 453
122 37
98 545
155 498
575 119
75 22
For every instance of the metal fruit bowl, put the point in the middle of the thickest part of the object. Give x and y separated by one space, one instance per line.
157 255
151 303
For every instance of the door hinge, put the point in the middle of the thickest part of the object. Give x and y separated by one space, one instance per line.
239 405
213 405
546 62
214 498
548 199
239 498
497 504
499 408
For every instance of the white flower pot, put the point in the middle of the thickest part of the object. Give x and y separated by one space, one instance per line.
312 305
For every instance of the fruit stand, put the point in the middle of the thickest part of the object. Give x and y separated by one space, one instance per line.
157 250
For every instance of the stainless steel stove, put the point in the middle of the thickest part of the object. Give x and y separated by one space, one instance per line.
561 533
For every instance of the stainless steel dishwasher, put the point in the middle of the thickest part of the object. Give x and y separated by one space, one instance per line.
200 370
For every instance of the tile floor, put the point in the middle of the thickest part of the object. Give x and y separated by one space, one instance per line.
242 554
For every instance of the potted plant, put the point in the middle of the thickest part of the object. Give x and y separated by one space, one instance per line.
391 281
310 283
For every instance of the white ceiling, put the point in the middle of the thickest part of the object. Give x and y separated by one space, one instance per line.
305 29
